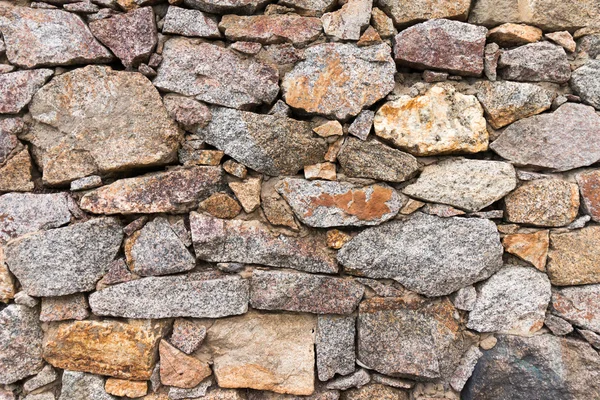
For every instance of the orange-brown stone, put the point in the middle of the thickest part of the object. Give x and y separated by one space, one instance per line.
530 247
123 387
589 187
180 370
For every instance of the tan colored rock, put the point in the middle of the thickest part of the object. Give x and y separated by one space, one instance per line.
563 39
543 202
276 210
122 387
248 193
574 257
15 174
7 282
271 29
125 350
511 35
589 187
180 370
320 171
331 128
530 247
348 22
264 351
407 12
336 239
369 38
221 205
442 121
235 168
383 24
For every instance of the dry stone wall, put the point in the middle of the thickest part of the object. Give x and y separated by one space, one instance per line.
299 199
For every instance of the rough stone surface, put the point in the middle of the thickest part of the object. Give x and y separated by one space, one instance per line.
65 260
173 296
248 193
81 386
236 347
535 62
221 205
589 188
557 325
465 298
430 255
131 36
562 140
441 121
376 391
573 257
215 75
326 171
17 88
46 376
361 126
357 379
269 144
180 370
441 44
530 247
335 346
187 335
122 387
174 191
81 128
372 159
271 29
563 39
348 22
325 204
63 308
195 23
512 301
578 305
226 6
125 350
300 292
339 80
543 202
465 368
189 113
36 37
8 287
15 174
467 184
585 82
511 35
405 12
20 343
505 102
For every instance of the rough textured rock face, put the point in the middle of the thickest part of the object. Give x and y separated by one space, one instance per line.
348 22
578 305
271 29
442 121
530 247
325 83
511 35
17 88
589 188
80 127
585 81
226 6
536 62
335 346
572 257
407 13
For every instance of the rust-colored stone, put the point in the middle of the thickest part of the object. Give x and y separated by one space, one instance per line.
336 239
589 187
511 35
180 370
530 247
221 205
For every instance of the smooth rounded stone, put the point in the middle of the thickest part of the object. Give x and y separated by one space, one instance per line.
252 242
530 247
376 391
195 23
215 75
348 22
46 376
17 88
411 338
82 386
535 62
125 350
226 6
253 351
512 301
27 212
543 202
373 159
441 121
549 15
467 184
63 308
271 29
173 296
36 37
174 191
269 144
20 343
585 82
127 388
325 204
405 12
505 102
563 39
301 292
574 257
338 80
589 188
537 367
580 305
442 44
157 250
180 370
66 260
511 35
429 255
565 139
94 120
335 346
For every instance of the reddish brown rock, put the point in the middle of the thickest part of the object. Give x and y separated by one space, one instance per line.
180 370
131 36
63 308
589 187
276 210
235 168
221 205
17 88
331 128
270 29
511 35
563 39
369 38
124 350
579 305
574 257
122 387
442 45
530 247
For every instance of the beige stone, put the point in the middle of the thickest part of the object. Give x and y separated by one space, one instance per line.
530 247
369 38
180 370
7 282
122 387
320 171
574 257
510 35
407 12
563 39
331 128
248 193
221 205
15 174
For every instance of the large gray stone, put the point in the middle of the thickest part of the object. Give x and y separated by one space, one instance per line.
580 305
181 21
65 260
252 242
566 139
427 254
83 386
226 6
535 62
192 295
585 81
467 184
273 145
17 88
335 346
215 75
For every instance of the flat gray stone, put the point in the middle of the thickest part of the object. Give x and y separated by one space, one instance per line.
470 185
226 6
83 386
273 145
566 139
426 254
535 62
252 242
580 305
355 380
585 82
65 260
301 292
17 88
181 21
335 346
309 7
173 296
46 376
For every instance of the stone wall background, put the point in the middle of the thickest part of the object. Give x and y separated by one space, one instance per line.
299 199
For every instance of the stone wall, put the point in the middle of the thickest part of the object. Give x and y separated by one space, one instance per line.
300 199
